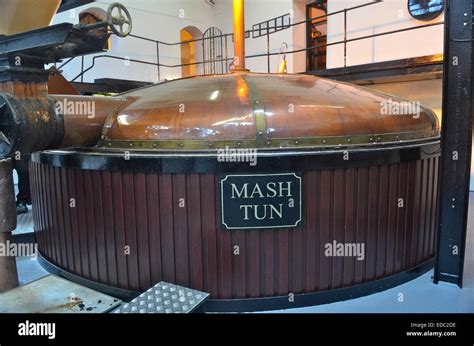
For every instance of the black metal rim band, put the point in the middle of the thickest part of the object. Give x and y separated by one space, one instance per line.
209 162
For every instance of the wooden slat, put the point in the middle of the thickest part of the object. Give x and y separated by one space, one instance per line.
154 212
311 205
99 231
361 221
143 239
350 209
372 220
167 236
90 225
71 186
382 222
208 198
119 227
392 221
193 193
401 216
109 228
131 230
325 230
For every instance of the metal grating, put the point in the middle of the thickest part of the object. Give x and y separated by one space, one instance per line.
165 298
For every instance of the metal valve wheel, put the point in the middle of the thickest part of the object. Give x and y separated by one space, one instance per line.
119 19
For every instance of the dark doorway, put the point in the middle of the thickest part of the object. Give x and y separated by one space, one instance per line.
316 35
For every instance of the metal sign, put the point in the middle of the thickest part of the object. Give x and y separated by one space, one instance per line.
257 201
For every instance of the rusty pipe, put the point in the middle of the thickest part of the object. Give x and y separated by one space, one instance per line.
239 35
56 121
8 270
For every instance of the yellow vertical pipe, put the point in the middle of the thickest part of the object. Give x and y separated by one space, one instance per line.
239 35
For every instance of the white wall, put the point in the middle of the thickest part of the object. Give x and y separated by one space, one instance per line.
160 19
385 16
257 11
156 19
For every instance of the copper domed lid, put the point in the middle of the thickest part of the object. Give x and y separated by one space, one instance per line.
263 111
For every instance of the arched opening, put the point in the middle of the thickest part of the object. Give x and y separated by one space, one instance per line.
191 52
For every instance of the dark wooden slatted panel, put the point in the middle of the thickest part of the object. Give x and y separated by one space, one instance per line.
434 209
166 218
81 223
180 206
361 221
311 242
429 204
167 242
52 222
401 216
130 230
109 227
154 227
73 215
66 209
410 210
224 251
193 192
90 224
38 208
392 224
324 229
297 259
252 262
36 205
143 239
382 222
209 231
372 220
49 223
98 206
283 263
269 262
423 208
58 223
416 213
119 226
238 264
337 234
349 228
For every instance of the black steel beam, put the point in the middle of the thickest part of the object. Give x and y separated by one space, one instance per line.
456 141
430 66
70 4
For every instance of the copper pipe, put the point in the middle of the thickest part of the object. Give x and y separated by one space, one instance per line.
239 35
85 119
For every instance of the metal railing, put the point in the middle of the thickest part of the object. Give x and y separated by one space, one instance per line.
256 32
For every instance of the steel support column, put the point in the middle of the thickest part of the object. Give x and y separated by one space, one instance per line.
456 141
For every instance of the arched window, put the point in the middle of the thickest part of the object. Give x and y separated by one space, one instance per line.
191 52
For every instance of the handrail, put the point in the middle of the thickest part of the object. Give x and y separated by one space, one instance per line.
268 54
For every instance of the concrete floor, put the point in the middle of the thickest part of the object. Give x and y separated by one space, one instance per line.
419 295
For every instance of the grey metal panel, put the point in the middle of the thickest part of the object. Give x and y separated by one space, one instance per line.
165 298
